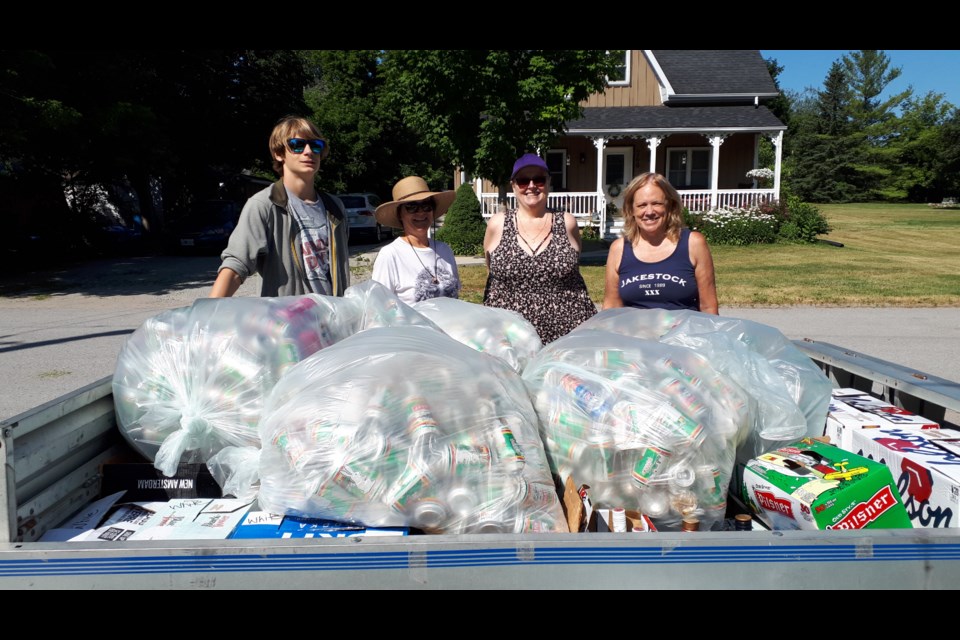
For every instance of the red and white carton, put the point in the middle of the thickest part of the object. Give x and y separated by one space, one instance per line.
926 470
853 409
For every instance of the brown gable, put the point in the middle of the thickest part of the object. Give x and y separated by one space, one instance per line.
641 91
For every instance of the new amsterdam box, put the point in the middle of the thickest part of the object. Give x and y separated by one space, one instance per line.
813 485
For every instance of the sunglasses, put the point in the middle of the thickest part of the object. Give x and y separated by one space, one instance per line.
297 145
413 207
523 183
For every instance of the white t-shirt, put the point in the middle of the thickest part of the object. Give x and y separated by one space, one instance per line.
314 242
409 272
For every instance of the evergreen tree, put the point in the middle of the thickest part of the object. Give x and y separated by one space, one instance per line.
823 164
463 225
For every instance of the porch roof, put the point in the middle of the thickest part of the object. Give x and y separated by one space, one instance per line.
662 119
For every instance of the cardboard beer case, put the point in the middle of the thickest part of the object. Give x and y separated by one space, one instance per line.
925 465
853 409
813 485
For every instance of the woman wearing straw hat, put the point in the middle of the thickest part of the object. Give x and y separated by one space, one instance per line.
415 266
533 257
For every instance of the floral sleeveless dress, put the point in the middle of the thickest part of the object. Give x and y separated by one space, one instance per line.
546 289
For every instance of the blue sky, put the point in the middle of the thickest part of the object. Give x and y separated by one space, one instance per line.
927 70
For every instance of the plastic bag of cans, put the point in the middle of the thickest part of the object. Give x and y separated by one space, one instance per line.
647 426
193 380
379 307
792 394
406 426
500 333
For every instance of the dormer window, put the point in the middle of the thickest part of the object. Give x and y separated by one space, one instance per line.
620 77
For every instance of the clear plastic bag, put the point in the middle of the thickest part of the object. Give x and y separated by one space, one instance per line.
192 380
646 425
791 393
405 426
500 333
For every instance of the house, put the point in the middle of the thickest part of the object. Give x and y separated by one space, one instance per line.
696 116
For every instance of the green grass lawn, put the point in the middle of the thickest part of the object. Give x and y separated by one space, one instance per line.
893 255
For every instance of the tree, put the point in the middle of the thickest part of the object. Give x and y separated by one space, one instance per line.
371 147
484 108
823 166
463 225
918 151
873 120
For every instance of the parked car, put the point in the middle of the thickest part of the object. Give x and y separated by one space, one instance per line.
363 224
204 228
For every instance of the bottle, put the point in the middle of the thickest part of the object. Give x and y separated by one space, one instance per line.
690 523
743 522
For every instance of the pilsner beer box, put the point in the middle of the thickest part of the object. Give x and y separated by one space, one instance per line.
853 409
925 467
814 485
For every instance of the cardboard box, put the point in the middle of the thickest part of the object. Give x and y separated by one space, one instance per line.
263 524
636 521
925 465
852 409
194 519
813 485
144 482
189 519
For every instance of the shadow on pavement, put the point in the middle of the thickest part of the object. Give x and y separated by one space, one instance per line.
121 276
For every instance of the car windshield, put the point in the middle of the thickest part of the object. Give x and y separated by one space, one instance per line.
353 202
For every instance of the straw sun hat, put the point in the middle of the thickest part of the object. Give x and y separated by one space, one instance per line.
412 189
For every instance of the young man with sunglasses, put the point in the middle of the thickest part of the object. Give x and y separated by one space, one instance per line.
294 236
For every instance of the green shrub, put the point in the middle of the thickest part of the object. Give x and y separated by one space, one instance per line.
797 221
463 225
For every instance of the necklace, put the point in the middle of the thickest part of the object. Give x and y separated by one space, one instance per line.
417 253
524 240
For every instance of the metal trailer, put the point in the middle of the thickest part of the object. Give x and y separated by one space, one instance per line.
51 457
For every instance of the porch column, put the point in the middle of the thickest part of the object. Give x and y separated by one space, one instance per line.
716 139
600 143
653 142
778 145
478 189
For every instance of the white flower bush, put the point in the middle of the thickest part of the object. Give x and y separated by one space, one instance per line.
761 174
723 215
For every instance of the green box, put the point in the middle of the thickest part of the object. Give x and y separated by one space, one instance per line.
813 485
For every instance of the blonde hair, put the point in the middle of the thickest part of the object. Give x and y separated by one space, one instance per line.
674 213
293 127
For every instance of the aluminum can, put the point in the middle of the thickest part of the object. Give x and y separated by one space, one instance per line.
429 514
649 464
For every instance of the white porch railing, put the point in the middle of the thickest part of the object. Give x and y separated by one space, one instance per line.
699 199
583 205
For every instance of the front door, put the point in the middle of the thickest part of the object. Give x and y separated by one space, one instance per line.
617 173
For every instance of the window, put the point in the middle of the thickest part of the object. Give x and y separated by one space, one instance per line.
557 164
689 168
621 76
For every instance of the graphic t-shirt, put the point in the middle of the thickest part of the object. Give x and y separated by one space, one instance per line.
668 284
409 272
314 242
